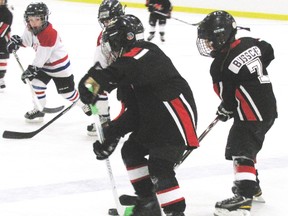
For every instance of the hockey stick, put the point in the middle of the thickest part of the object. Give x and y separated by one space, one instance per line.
108 164
27 135
99 130
34 96
163 14
128 200
188 152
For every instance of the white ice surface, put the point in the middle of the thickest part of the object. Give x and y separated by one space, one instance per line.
56 173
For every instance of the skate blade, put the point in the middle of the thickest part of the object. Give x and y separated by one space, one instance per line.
258 199
225 212
92 133
35 120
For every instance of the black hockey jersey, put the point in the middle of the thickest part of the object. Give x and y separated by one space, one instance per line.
163 6
6 18
241 80
161 103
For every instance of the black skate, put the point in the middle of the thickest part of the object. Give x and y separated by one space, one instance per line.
151 36
235 206
91 129
2 85
34 116
257 195
162 38
147 206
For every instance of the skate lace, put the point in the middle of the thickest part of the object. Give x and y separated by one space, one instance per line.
34 111
229 200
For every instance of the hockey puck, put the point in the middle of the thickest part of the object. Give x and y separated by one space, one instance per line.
113 211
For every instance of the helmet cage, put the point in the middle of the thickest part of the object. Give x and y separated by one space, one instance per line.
108 10
216 31
204 47
121 34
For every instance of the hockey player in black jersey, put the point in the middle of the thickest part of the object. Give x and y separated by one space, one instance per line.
160 113
160 11
6 18
240 79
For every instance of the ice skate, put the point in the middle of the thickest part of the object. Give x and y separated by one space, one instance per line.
151 36
257 195
235 206
2 85
162 38
147 206
34 116
91 129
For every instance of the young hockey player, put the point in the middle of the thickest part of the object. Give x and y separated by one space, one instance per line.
108 9
159 10
6 18
51 61
240 79
160 112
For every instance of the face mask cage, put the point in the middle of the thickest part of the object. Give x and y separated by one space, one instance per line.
104 18
111 46
204 47
36 30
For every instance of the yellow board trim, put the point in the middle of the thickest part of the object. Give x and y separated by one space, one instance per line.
255 15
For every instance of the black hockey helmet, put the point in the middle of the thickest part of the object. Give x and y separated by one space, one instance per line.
37 9
122 33
215 31
109 9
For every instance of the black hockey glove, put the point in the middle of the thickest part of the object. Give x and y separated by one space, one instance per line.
104 150
224 114
112 137
14 43
86 96
30 73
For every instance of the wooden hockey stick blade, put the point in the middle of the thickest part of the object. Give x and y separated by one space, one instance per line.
28 135
52 110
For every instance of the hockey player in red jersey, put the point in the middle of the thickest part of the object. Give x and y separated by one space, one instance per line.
108 9
6 18
161 114
51 61
240 79
159 10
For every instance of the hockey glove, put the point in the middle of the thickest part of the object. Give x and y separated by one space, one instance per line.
104 150
86 96
14 43
30 73
224 114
